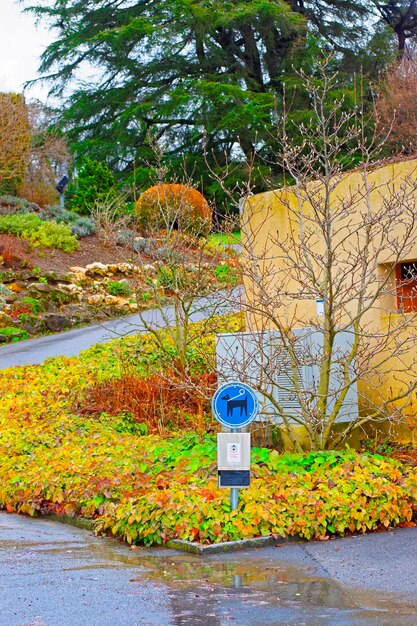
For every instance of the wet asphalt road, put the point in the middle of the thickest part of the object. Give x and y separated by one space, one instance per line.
72 342
56 575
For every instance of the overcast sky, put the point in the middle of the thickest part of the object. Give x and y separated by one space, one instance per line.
21 44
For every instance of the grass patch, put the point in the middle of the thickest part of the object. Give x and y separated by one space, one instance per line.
222 240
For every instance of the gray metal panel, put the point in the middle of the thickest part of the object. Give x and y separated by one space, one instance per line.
261 360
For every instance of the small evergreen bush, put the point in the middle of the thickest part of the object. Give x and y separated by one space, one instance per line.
80 225
10 205
83 226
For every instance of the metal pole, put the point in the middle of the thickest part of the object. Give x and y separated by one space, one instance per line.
234 491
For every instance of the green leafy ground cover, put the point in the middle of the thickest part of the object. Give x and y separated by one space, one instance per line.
149 488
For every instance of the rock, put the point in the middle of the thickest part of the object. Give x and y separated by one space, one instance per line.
96 269
56 322
17 287
78 277
77 270
125 268
96 299
8 276
40 287
51 276
121 301
3 338
77 312
133 306
32 325
149 268
60 296
17 276
112 300
66 278
70 288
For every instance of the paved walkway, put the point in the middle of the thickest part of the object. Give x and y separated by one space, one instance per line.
72 342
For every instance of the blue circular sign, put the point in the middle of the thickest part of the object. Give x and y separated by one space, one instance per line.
235 404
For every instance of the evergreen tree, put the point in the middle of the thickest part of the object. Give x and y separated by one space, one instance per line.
94 182
187 72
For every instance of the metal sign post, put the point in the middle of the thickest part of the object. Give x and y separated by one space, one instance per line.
61 188
234 491
234 405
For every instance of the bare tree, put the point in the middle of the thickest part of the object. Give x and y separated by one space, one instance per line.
191 282
320 263
396 105
48 158
178 278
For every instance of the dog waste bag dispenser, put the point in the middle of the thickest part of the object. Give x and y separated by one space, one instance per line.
233 459
234 405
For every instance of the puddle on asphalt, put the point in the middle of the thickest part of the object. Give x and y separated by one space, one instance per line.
242 590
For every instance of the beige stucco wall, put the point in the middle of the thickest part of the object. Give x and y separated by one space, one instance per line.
274 223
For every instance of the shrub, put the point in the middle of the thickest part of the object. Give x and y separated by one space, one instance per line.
163 205
118 288
168 278
83 227
12 204
52 235
40 192
159 401
11 249
39 233
111 217
80 225
17 224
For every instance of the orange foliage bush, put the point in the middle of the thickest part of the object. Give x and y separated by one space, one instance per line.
163 204
159 401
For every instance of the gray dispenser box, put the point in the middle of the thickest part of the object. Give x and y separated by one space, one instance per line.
233 460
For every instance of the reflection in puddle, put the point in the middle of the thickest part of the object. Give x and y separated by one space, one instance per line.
238 589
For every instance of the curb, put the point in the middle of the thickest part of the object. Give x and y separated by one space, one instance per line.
78 522
228 546
189 546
